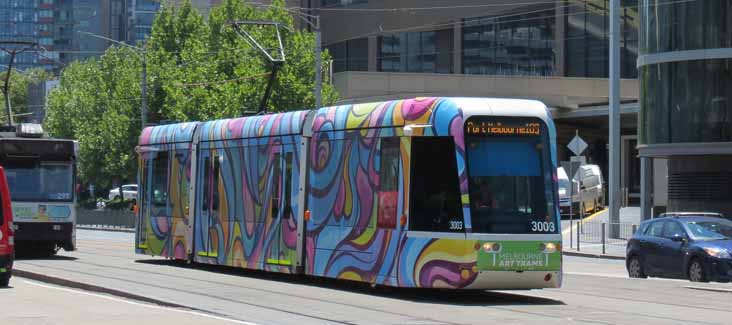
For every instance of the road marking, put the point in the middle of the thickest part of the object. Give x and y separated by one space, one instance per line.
709 289
592 216
191 312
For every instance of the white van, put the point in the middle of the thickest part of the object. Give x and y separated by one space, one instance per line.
588 180
565 190
591 187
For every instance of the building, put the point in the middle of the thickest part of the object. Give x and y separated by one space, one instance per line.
685 69
554 51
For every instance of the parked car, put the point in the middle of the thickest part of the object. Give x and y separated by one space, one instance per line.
7 242
697 248
129 192
694 214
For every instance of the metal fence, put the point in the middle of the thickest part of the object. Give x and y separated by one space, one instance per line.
105 217
601 237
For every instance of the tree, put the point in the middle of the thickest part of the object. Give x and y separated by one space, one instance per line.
198 69
19 83
98 103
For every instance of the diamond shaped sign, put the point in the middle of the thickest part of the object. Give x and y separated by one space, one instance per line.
577 145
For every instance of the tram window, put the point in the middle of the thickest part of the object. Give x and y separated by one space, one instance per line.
160 179
288 185
206 183
435 192
216 178
388 183
276 179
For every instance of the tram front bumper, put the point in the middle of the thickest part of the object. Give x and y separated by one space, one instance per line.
516 280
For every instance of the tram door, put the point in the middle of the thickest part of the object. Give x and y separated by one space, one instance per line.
282 226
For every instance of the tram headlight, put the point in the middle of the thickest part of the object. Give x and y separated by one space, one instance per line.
548 247
492 247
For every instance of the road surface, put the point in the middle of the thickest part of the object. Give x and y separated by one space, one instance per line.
595 291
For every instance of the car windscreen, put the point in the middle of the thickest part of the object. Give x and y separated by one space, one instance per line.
710 229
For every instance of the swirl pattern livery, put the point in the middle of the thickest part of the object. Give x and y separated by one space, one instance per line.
339 192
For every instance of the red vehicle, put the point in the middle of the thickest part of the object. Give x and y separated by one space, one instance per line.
7 242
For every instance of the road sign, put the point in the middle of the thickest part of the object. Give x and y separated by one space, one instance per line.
577 145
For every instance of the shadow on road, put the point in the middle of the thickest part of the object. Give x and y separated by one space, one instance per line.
40 257
441 296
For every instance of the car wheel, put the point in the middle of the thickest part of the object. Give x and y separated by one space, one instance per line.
5 280
635 268
696 271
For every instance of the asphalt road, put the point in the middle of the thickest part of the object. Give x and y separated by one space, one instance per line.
31 302
594 291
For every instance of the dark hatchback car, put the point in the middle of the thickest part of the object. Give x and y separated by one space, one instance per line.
695 248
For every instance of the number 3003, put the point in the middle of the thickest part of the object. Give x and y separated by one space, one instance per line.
539 226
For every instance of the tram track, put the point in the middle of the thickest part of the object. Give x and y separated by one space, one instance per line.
499 304
290 295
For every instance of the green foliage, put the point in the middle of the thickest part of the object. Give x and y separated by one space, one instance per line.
19 82
197 69
97 102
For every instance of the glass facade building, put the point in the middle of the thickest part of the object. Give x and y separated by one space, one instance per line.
686 98
519 44
587 38
685 75
428 51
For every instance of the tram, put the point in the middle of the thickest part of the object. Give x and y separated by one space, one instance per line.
427 192
40 173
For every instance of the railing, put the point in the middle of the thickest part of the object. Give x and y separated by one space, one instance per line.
604 237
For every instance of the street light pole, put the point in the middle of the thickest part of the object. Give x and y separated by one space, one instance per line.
143 74
143 92
318 64
614 118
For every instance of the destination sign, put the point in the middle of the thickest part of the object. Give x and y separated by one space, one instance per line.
502 128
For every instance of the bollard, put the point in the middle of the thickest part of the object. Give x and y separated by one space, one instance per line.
571 225
578 234
603 238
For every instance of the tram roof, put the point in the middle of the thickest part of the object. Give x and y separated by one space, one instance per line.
394 113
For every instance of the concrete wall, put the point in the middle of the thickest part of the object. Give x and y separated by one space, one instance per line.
106 217
355 86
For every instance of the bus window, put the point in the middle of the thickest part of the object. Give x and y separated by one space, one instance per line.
160 179
388 183
435 192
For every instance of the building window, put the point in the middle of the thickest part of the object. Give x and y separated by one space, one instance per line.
340 3
586 43
351 55
45 14
429 51
510 45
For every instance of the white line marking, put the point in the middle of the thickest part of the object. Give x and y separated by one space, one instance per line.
191 312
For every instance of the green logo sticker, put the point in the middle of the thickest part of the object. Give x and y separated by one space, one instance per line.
519 256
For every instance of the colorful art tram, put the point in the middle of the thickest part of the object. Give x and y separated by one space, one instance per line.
428 192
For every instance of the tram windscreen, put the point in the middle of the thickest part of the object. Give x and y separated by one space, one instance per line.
509 177
40 182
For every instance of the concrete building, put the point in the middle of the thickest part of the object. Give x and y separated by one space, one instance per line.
685 68
554 51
